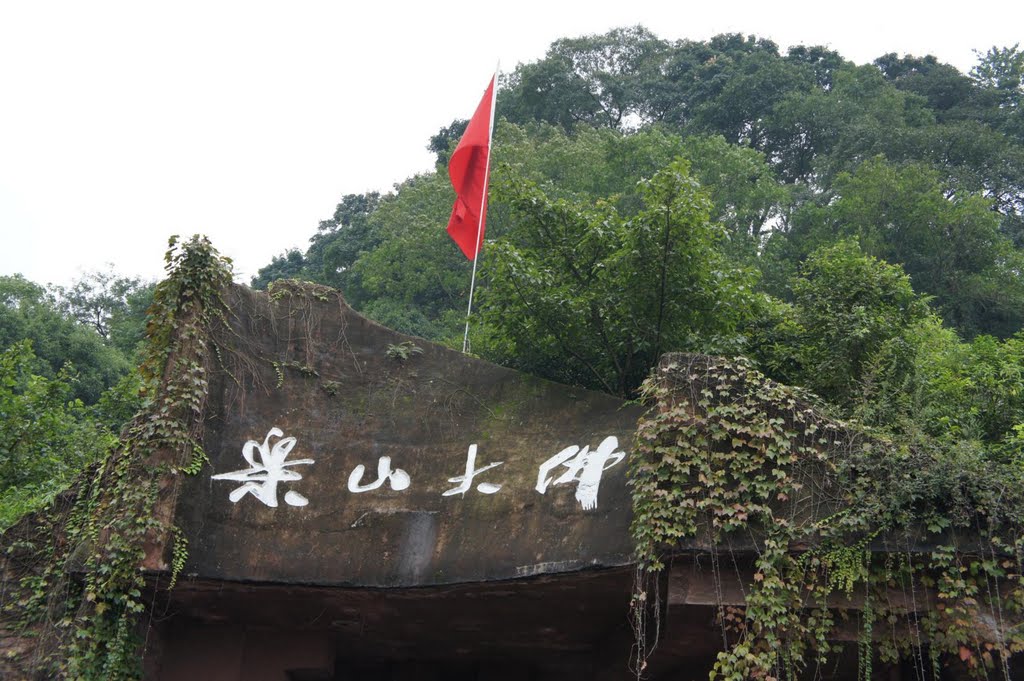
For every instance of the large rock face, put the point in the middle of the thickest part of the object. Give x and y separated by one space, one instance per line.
339 453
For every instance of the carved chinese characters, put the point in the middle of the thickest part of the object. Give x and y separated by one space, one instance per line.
398 479
582 466
261 478
471 472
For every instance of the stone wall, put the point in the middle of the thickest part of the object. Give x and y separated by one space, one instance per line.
339 453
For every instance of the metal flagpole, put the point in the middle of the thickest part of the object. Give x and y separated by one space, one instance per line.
483 202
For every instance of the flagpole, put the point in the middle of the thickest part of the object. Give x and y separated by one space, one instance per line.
483 203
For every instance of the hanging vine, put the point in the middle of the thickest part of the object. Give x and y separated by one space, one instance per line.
825 507
85 591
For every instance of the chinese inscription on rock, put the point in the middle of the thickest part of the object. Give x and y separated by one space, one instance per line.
582 466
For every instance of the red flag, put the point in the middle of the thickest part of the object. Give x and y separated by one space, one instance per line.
468 172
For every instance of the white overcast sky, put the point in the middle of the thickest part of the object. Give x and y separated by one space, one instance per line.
122 123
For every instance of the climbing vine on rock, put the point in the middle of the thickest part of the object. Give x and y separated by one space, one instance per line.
831 520
88 588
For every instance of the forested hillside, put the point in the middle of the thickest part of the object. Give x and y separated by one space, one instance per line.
854 230
67 383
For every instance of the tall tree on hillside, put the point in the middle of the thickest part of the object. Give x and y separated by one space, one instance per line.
46 435
28 312
289 265
413 277
579 293
950 245
849 306
113 305
746 195
1000 71
96 297
595 80
948 92
599 113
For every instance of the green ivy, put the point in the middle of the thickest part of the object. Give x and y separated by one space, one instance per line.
89 590
828 505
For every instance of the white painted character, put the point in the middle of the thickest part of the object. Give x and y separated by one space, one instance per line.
261 478
585 468
398 479
471 472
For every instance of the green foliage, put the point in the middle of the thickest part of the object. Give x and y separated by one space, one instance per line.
592 297
49 433
96 616
726 455
290 265
105 301
969 391
342 239
950 245
415 269
590 163
336 246
403 351
443 143
912 157
46 436
595 80
947 91
28 312
849 307
742 186
1000 71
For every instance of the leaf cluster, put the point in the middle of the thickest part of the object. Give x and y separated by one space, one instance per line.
727 457
94 620
593 296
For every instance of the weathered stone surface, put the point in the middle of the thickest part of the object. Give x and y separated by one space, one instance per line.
304 362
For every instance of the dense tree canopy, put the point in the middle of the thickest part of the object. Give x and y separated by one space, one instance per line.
58 340
919 164
584 293
66 385
856 230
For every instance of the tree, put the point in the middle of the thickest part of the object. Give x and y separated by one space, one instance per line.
949 93
113 305
579 293
949 245
595 80
46 436
822 61
96 297
415 275
970 391
812 135
1000 71
949 242
27 311
796 152
443 143
128 323
746 196
848 308
750 90
595 163
342 239
333 250
289 265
